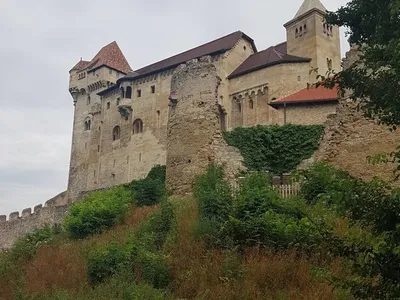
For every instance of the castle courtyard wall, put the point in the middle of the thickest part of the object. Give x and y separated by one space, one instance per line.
306 114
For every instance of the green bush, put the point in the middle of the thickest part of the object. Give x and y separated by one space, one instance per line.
153 233
105 262
372 203
255 196
277 149
153 268
150 190
98 211
25 247
213 194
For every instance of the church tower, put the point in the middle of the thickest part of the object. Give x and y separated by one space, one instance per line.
308 35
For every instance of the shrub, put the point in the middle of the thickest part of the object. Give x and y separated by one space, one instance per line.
255 196
97 212
150 190
277 149
105 262
213 195
153 268
153 233
25 247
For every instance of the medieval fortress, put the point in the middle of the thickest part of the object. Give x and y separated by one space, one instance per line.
172 112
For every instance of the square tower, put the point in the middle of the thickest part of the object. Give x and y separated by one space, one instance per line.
308 35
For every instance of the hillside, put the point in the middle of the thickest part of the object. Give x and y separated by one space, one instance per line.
134 242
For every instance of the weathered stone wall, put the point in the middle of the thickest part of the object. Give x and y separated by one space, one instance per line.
194 130
350 138
19 224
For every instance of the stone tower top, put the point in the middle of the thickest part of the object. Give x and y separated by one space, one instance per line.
310 5
308 35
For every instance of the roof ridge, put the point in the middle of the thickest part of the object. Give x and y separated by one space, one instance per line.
280 54
202 45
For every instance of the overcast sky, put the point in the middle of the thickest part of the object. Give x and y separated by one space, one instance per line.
41 40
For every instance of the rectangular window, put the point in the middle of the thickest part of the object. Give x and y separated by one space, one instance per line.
153 89
118 99
110 71
108 105
139 93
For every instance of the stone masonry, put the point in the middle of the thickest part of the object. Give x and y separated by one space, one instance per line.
53 212
194 129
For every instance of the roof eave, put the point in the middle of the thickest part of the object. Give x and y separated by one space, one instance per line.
304 15
104 65
109 89
315 101
129 78
305 60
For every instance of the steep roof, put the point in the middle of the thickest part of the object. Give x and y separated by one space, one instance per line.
310 5
110 56
307 95
269 57
82 64
220 45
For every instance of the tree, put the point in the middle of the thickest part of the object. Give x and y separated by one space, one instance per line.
373 26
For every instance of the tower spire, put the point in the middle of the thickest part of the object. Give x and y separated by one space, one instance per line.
310 5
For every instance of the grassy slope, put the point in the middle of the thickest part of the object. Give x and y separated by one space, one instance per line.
197 272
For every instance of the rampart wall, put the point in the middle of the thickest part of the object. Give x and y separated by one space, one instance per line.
18 224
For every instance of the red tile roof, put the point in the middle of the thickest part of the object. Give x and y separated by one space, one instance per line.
110 56
220 45
312 94
269 57
82 64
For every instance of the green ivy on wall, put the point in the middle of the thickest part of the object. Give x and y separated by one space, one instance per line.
277 149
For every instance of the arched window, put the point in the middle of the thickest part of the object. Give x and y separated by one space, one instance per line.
128 92
137 126
116 133
88 124
251 104
305 28
122 93
88 100
297 32
301 30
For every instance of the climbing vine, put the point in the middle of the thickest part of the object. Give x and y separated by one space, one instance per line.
277 149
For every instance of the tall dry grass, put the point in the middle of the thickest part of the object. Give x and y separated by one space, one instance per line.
201 273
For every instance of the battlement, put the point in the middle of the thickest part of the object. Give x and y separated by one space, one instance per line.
21 223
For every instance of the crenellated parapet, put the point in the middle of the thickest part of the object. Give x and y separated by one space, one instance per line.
20 223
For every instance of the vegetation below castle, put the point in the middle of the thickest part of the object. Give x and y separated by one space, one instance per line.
337 240
277 149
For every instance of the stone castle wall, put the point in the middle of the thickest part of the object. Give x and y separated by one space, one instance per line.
194 127
350 139
18 224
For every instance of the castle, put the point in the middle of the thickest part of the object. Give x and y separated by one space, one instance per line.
172 112
120 120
